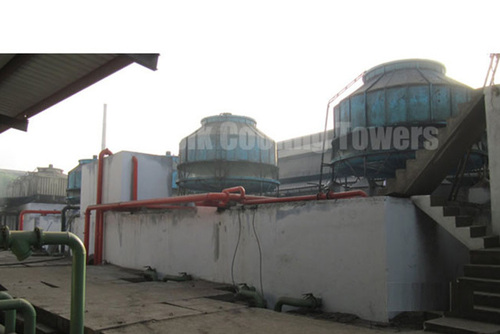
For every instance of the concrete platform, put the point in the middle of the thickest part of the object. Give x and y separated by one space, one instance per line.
117 305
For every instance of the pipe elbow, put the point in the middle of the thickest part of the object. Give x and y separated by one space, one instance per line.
250 293
26 308
308 301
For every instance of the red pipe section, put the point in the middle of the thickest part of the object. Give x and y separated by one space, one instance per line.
99 214
320 196
135 170
42 212
220 200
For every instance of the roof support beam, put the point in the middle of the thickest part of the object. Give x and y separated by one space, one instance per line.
13 123
148 60
100 73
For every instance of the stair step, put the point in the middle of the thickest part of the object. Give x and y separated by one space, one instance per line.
488 314
463 221
485 256
422 154
460 326
487 299
451 211
491 241
481 284
400 174
477 231
482 271
440 201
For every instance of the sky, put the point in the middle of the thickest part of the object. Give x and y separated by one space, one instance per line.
278 62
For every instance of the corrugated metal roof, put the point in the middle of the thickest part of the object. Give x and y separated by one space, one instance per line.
31 83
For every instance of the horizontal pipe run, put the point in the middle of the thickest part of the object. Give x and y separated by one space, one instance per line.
26 308
42 212
221 200
320 196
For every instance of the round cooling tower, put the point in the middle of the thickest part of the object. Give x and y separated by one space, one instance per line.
401 105
228 151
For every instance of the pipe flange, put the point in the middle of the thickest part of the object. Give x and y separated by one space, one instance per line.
310 297
39 237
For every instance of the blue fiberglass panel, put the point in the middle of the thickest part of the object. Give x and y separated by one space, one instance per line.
358 114
345 117
418 103
396 105
375 107
336 119
459 96
440 103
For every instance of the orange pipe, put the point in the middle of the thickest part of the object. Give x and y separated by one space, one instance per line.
99 215
320 196
42 212
209 199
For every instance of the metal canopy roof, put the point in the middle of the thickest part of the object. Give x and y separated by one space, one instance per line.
31 83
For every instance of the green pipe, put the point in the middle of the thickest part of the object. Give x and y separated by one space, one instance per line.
10 316
20 243
250 292
182 277
28 310
308 301
150 274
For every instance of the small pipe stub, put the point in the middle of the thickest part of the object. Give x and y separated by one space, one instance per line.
308 301
249 292
150 274
182 277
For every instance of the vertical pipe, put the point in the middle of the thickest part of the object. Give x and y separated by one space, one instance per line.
28 310
77 275
10 316
86 232
63 220
98 221
135 171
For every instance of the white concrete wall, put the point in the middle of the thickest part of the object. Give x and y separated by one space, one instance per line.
374 257
334 249
492 104
422 258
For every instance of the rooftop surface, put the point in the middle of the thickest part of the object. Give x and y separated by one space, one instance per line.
120 302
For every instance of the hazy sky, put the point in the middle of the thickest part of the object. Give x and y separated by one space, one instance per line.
276 61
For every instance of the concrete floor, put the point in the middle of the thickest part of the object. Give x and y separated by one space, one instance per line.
117 306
